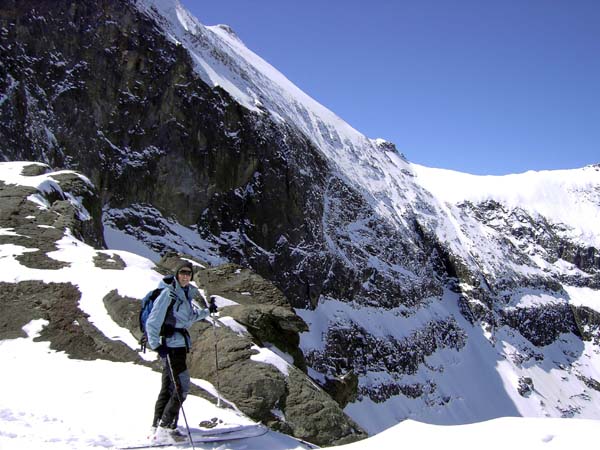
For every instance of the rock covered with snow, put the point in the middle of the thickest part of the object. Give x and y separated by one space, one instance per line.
41 210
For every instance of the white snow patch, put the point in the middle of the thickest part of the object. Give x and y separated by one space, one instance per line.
268 356
583 296
118 240
35 327
8 232
236 327
569 197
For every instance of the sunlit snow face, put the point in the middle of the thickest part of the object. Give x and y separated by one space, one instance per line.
184 277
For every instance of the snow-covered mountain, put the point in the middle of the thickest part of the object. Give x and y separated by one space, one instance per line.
528 244
429 294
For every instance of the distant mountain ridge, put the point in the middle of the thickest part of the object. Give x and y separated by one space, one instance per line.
452 298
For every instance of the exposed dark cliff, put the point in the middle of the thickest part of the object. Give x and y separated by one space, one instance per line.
106 94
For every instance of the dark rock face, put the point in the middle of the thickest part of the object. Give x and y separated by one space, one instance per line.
588 323
525 386
112 262
343 389
273 324
542 325
349 346
590 382
105 94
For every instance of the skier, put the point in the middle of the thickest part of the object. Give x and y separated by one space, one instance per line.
166 326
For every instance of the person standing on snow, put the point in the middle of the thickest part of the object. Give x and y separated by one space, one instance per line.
172 314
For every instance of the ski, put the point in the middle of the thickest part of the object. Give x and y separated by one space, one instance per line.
203 437
219 430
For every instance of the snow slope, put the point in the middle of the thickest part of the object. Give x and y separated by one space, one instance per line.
479 382
223 60
570 197
75 404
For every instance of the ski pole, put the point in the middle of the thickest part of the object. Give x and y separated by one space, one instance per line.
214 322
180 401
216 362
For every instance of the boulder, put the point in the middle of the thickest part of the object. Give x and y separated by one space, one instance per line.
281 396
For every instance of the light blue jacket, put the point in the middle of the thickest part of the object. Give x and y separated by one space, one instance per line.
184 312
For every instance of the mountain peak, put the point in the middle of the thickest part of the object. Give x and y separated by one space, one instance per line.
227 29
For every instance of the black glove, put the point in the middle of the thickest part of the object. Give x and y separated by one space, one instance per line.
143 342
212 307
162 350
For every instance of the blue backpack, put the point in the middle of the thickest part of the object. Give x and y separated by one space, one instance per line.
146 309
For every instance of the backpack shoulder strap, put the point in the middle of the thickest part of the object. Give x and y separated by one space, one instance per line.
172 303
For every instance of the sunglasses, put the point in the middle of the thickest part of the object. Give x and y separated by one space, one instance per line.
185 272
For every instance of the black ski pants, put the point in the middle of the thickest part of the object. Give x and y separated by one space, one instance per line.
166 410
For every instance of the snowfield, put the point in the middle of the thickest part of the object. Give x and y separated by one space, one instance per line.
569 197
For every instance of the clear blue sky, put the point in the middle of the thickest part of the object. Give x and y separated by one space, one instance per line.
479 86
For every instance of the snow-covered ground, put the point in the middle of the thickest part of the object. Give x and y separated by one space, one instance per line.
48 401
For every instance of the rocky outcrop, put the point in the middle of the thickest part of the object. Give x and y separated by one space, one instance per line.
588 323
262 308
36 218
37 225
544 324
68 328
280 396
343 389
350 347
525 386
